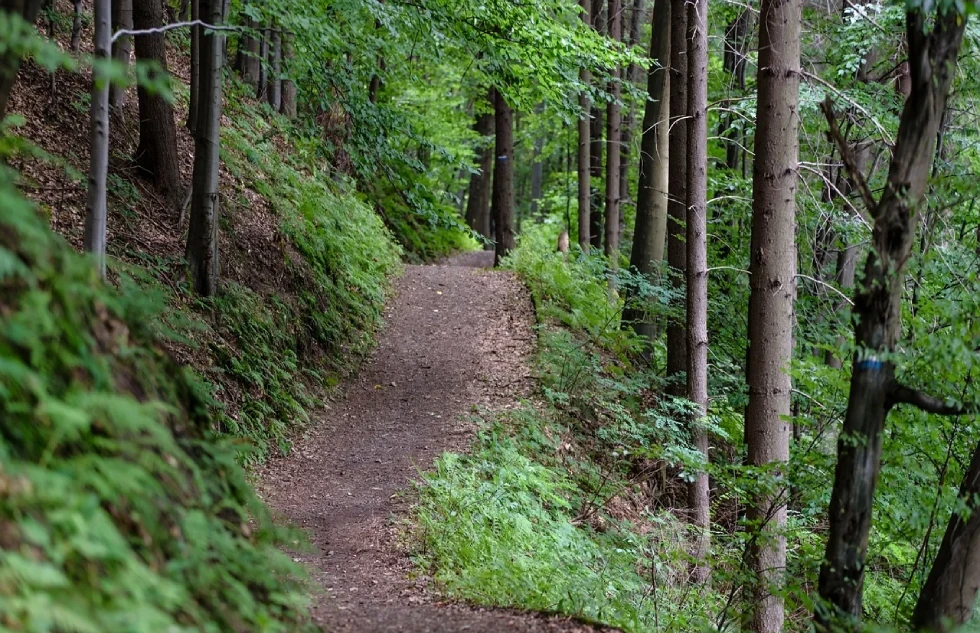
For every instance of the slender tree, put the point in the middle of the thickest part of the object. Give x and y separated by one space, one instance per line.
772 280
650 229
478 200
597 145
76 27
288 106
274 80
677 194
502 203
94 240
874 389
202 236
247 56
156 153
613 136
122 49
697 267
584 181
27 11
195 80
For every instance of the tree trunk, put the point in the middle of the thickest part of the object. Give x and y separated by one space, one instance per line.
697 267
195 80
503 178
275 68
122 19
651 200
478 200
949 594
846 261
9 59
247 58
736 51
156 153
596 145
76 27
932 57
772 280
677 195
630 77
262 87
288 107
202 236
584 181
94 240
613 147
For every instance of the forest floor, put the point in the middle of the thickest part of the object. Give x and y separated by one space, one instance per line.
456 337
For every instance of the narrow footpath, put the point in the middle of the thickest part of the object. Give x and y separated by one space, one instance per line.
456 336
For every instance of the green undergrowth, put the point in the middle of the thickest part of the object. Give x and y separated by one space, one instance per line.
564 506
120 507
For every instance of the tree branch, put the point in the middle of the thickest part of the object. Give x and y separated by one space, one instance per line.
171 27
848 158
900 394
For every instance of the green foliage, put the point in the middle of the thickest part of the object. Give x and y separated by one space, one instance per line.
121 509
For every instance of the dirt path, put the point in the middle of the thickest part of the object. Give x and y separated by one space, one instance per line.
455 336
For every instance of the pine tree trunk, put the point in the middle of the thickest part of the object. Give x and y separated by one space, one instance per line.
122 19
650 229
677 195
697 268
596 145
202 236
275 68
195 80
478 200
502 203
613 137
772 281
877 325
949 594
584 181
9 61
94 240
156 153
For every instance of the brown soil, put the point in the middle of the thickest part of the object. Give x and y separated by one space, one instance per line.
456 337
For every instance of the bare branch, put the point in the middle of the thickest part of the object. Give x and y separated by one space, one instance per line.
845 151
171 27
900 394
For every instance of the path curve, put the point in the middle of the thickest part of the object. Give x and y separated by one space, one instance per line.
456 336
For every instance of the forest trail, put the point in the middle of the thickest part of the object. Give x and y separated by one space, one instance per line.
455 336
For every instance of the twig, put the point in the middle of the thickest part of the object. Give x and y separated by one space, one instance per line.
845 151
171 27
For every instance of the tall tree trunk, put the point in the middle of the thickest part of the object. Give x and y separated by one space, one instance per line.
502 203
122 19
156 153
632 77
288 106
932 55
584 181
76 27
772 280
697 267
846 262
195 80
202 235
247 58
651 200
613 147
262 86
677 195
275 69
95 211
949 594
596 144
734 61
27 10
478 201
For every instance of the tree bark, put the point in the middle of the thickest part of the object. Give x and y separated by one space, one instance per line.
122 19
195 79
478 200
846 262
613 147
650 229
10 57
502 203
94 240
949 594
772 280
697 268
274 80
288 106
932 57
596 145
584 180
156 153
631 76
262 87
677 195
76 27
734 61
247 58
202 235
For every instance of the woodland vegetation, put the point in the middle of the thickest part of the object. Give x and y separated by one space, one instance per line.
750 233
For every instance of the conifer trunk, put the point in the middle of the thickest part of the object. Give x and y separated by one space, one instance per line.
697 268
584 180
596 145
202 236
275 68
478 200
247 56
502 203
772 280
122 48
613 137
288 106
94 240
195 79
677 195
